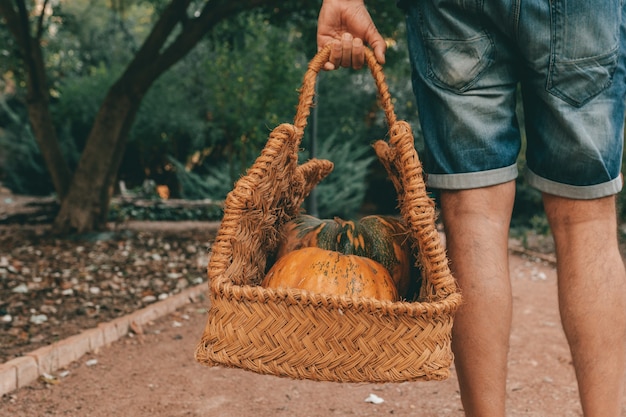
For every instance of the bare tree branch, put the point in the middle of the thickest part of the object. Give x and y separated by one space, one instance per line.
193 29
173 14
212 13
40 20
25 42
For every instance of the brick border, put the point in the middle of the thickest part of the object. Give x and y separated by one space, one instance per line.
24 370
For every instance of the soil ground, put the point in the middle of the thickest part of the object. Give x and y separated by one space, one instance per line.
156 375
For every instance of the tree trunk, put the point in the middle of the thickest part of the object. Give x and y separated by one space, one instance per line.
48 143
86 205
85 196
37 99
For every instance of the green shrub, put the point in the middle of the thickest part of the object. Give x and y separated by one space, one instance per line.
342 192
213 186
23 169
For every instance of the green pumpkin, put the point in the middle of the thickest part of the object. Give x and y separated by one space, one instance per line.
383 239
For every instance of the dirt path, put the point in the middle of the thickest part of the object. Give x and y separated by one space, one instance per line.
158 377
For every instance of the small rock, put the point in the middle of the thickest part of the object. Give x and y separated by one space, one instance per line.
38 318
149 299
48 379
20 289
46 309
374 399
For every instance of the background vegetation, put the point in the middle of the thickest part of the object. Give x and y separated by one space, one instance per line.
204 120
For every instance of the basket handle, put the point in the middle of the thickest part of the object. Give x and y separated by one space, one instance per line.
307 91
402 163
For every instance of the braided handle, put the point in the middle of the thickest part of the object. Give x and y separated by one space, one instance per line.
307 92
402 163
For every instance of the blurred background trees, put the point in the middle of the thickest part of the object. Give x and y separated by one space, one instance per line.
184 94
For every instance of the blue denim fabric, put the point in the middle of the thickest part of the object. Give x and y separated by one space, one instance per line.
470 58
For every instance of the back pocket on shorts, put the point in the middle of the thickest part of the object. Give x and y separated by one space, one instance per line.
585 48
457 64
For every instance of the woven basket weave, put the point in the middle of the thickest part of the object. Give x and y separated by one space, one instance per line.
303 335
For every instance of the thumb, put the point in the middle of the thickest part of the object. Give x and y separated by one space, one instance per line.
380 47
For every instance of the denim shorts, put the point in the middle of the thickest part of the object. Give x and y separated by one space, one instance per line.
564 58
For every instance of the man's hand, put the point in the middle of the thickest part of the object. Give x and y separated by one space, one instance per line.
346 24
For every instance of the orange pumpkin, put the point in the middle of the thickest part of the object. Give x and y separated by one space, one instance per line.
324 271
384 239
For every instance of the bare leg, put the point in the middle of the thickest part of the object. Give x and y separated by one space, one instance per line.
592 298
477 229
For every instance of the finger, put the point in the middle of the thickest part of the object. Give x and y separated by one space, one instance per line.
358 54
346 46
379 46
336 52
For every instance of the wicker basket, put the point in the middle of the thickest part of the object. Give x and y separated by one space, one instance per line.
303 335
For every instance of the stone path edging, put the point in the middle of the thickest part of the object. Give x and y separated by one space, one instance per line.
24 370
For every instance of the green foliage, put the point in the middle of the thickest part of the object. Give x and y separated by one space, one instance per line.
9 58
387 16
349 115
250 74
216 107
342 192
218 181
528 206
169 122
205 120
539 223
84 35
78 102
121 211
214 186
23 170
84 42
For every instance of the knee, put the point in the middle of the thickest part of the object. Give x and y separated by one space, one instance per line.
566 212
